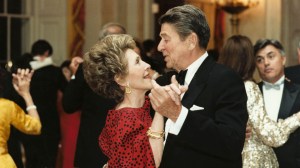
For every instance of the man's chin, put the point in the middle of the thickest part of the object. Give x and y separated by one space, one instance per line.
169 66
268 79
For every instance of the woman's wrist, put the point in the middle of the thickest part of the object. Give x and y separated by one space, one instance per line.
26 96
31 107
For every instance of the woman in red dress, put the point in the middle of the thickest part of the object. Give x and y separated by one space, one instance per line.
130 138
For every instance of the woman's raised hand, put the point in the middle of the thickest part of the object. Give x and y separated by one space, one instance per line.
21 81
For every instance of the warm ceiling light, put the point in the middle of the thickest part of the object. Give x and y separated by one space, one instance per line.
236 6
233 7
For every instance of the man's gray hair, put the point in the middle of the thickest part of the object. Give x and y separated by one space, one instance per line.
106 31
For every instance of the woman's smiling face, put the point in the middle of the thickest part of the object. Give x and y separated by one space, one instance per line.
138 76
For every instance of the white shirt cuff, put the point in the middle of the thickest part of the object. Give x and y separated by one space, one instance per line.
176 127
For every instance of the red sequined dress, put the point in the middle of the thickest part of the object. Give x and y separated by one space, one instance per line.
124 140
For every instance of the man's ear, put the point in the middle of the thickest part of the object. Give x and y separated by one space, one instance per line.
192 40
283 60
46 53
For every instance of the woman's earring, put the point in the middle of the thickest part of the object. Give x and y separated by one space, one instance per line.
127 89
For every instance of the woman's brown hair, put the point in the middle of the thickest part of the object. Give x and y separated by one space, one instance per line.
237 53
104 62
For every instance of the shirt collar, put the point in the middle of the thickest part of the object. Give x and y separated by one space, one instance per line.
192 69
37 64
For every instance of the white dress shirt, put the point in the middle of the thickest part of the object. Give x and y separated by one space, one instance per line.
174 128
272 98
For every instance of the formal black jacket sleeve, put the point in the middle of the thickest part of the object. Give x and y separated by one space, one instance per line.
73 92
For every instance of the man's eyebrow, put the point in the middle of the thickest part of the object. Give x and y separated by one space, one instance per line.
259 56
271 52
164 35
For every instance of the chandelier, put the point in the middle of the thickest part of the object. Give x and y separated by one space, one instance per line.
236 6
233 7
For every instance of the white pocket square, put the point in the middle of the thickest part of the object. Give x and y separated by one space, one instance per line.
194 108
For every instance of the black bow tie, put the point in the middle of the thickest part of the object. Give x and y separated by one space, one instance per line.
181 76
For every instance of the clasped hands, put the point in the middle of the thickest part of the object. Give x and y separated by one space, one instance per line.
166 100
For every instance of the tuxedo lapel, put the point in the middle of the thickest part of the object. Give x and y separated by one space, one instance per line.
199 82
260 84
288 99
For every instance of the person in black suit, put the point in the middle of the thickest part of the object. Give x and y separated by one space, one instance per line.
79 96
41 150
207 128
281 96
293 72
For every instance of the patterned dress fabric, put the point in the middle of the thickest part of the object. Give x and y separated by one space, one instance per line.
124 140
265 133
12 114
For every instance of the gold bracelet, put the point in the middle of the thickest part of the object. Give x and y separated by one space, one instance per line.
155 134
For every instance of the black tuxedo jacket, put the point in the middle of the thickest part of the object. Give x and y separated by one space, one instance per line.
288 155
94 108
293 73
213 137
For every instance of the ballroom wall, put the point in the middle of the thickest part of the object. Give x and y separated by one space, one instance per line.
135 15
270 19
262 21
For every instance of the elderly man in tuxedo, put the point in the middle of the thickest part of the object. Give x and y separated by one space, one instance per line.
281 96
207 128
